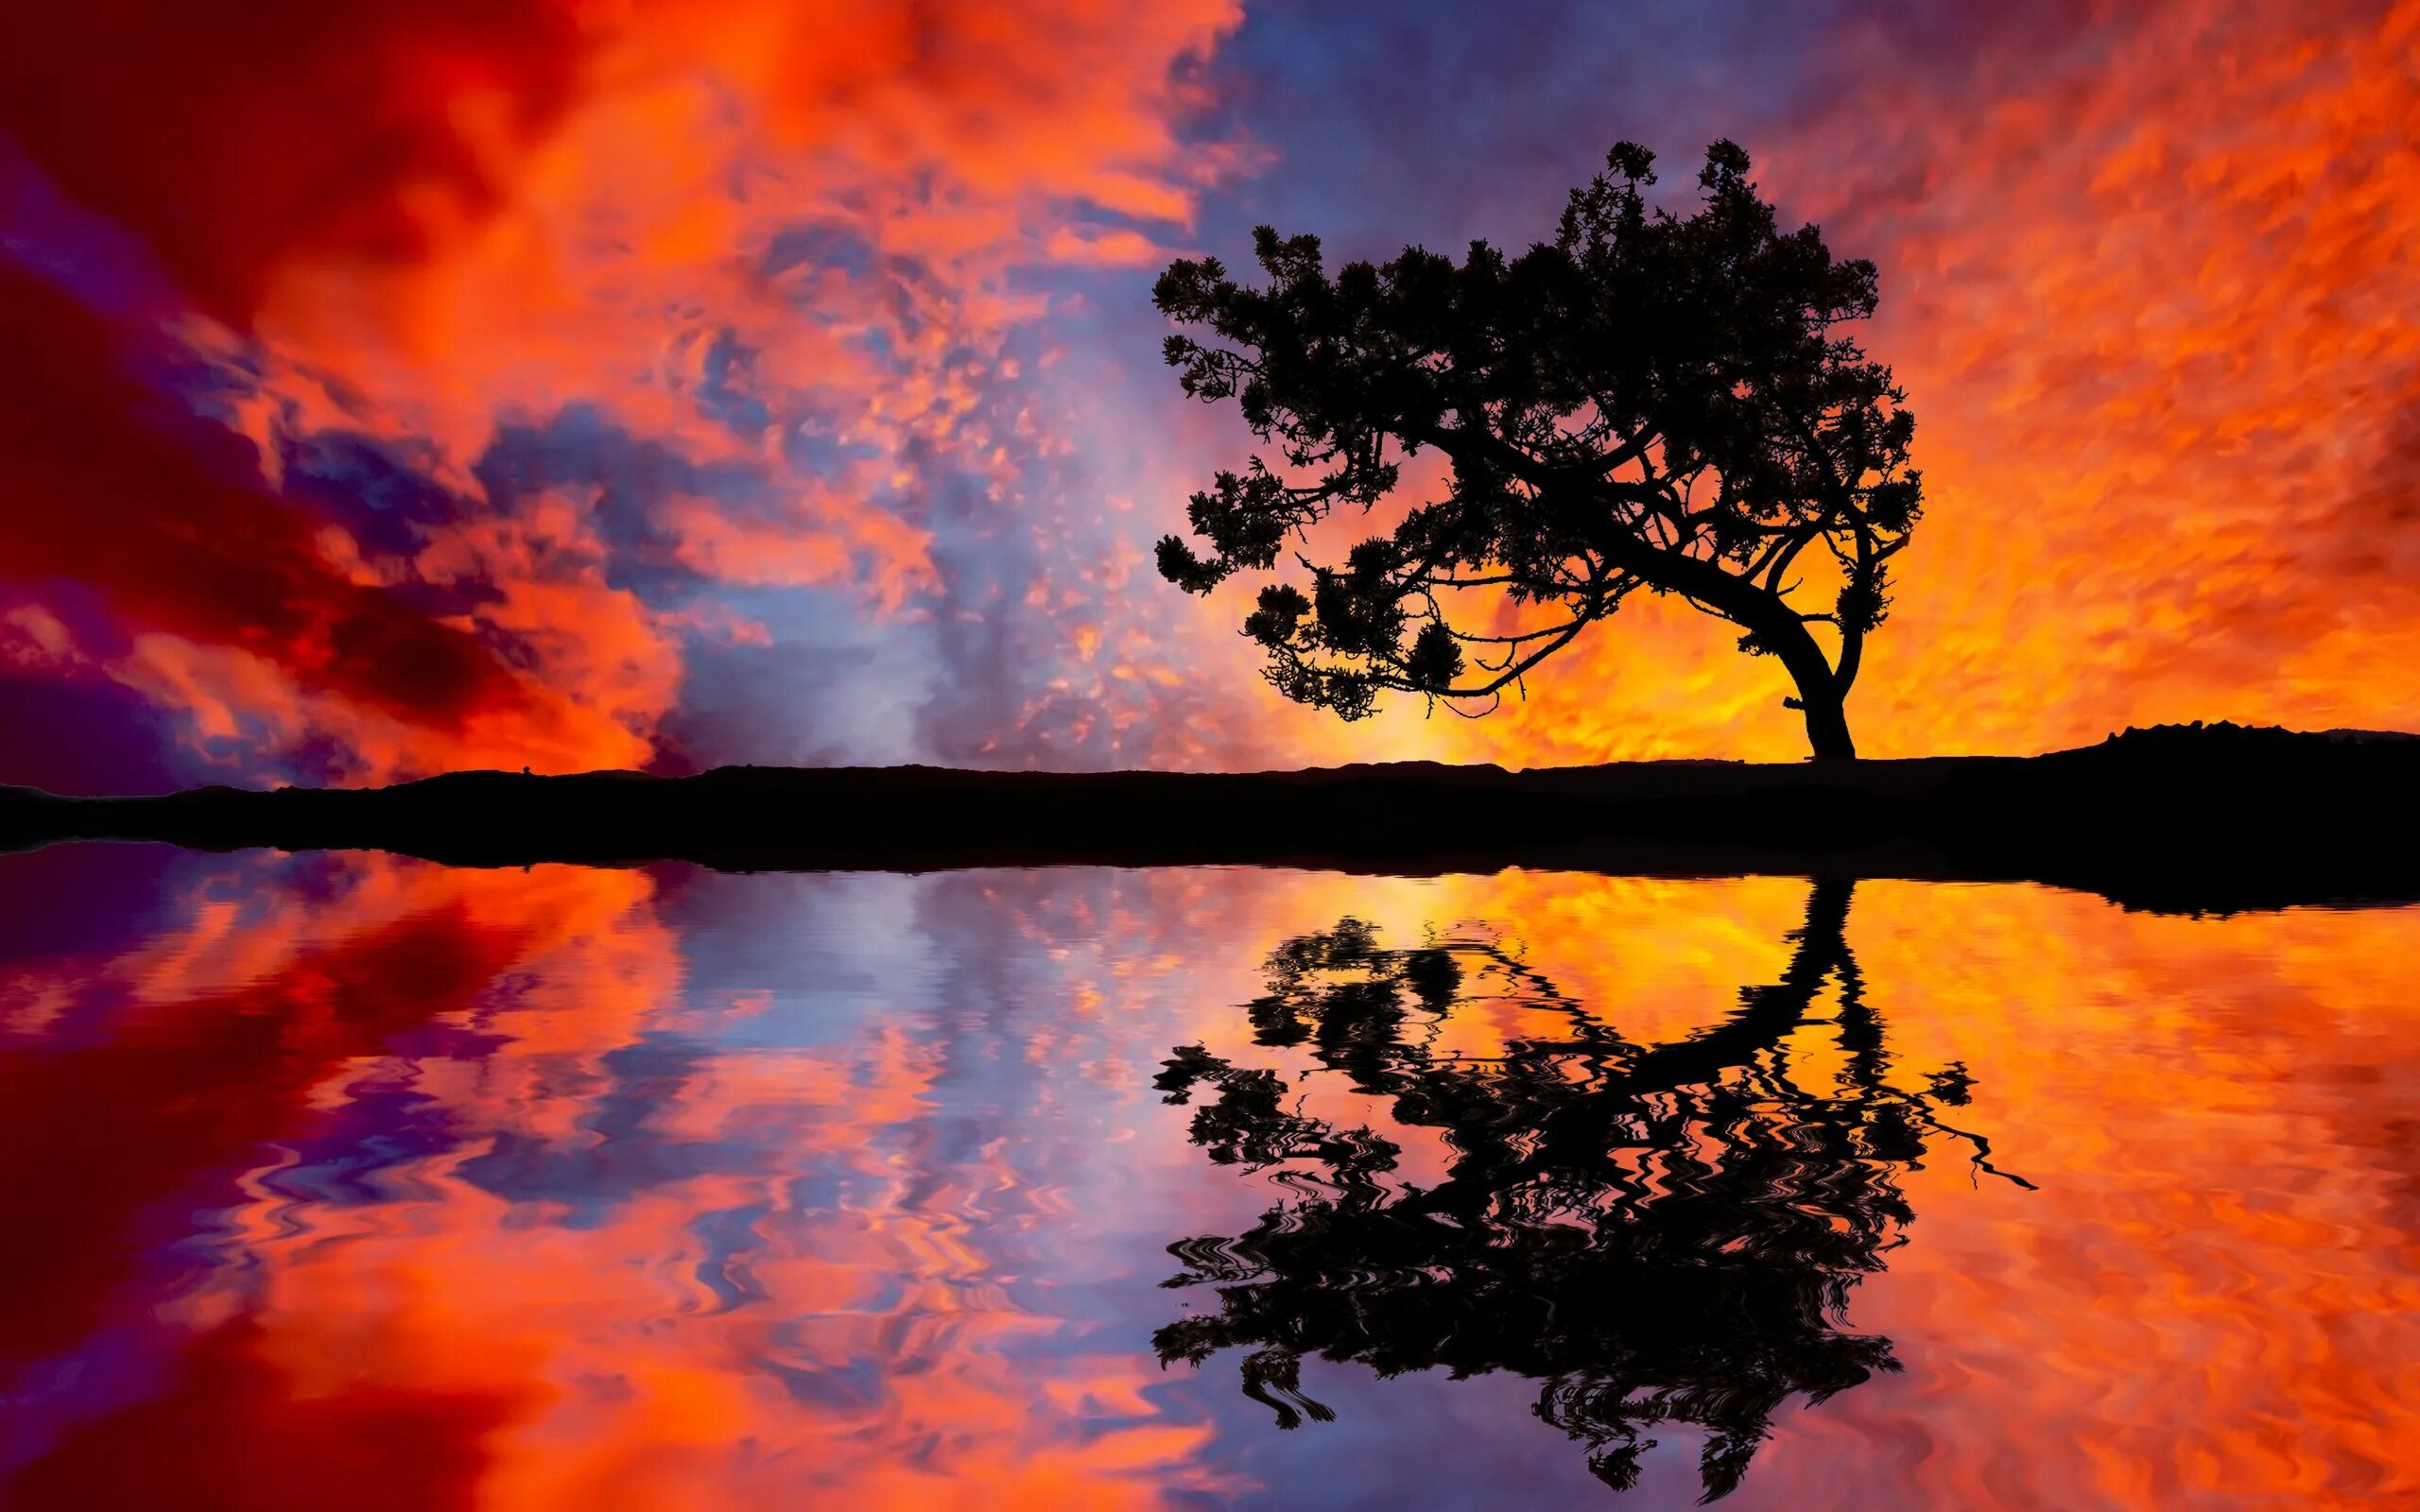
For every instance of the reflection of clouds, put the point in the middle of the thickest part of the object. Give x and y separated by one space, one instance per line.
707 1190
2218 1236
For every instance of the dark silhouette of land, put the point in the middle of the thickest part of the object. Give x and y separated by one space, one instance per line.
2182 818
1657 1234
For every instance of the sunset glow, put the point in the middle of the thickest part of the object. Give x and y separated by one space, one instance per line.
397 388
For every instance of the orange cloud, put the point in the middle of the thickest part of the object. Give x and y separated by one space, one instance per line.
2153 310
422 224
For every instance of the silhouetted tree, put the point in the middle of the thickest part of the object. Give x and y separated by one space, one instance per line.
1646 401
1657 1233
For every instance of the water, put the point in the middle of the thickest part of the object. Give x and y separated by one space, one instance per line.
346 1181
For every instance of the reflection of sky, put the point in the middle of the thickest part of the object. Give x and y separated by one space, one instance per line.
574 1187
742 383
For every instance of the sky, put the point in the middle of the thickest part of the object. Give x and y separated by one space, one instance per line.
397 387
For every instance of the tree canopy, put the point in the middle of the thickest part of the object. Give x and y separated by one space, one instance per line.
1648 400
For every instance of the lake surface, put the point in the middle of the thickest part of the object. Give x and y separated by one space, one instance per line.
345 1181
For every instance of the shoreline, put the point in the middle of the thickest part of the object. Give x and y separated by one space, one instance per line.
2177 819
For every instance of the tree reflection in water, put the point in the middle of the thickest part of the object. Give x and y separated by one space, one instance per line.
1663 1233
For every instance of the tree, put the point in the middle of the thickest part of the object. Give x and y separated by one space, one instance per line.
1648 402
1656 1233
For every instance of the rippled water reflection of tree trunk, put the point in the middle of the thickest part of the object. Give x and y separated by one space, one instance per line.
1663 1233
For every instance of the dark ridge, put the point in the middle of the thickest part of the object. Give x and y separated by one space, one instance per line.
2184 818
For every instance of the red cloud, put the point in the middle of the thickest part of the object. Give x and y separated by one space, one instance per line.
234 139
168 531
423 222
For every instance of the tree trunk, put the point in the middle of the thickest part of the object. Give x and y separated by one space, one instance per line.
1822 692
1827 724
1819 690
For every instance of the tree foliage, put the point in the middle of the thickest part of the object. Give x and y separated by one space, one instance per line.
1646 401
